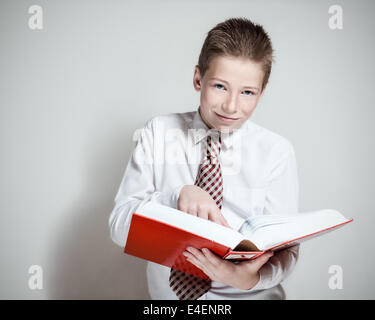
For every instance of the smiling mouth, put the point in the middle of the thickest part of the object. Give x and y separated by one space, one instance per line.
226 117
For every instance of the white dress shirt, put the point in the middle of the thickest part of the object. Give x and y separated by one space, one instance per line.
259 177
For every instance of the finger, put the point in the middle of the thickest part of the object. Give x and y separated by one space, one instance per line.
200 259
192 259
193 211
206 271
217 216
195 262
198 263
203 214
185 209
197 254
211 257
224 222
221 218
214 216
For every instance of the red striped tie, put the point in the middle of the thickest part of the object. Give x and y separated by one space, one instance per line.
209 178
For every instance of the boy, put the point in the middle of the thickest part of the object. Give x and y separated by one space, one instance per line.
217 164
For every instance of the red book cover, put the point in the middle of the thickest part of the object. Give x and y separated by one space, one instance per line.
162 243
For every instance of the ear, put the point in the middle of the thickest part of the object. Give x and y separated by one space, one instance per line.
197 79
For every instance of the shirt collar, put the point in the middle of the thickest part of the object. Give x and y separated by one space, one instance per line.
201 130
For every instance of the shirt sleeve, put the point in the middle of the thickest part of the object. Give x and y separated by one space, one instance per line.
137 186
282 198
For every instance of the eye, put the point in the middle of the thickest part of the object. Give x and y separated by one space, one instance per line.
220 85
248 93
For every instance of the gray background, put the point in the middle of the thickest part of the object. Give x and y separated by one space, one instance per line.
72 94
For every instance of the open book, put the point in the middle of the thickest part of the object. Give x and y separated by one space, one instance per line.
160 234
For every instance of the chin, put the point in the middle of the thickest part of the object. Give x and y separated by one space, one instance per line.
224 129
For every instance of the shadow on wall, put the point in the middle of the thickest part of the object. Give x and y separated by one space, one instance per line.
85 263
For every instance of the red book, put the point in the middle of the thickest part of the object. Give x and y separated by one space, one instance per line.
160 234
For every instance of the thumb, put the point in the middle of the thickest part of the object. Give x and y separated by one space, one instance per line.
259 262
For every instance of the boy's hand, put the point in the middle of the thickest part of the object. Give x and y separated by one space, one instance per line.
197 202
243 275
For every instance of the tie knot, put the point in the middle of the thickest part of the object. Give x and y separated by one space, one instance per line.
213 145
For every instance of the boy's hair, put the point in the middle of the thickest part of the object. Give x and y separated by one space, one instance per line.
238 37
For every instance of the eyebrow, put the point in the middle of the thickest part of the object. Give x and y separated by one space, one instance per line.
250 87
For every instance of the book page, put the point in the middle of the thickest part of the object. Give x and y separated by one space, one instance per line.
199 226
269 230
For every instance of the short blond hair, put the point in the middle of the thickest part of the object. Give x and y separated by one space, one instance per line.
238 37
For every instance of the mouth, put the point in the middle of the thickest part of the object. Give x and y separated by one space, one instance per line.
226 119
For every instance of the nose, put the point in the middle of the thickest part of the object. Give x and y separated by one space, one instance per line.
230 105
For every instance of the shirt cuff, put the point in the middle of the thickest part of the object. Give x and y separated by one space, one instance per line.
262 283
170 198
265 274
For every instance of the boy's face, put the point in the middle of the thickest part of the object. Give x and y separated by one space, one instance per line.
230 88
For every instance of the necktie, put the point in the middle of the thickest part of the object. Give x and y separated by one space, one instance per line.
209 178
